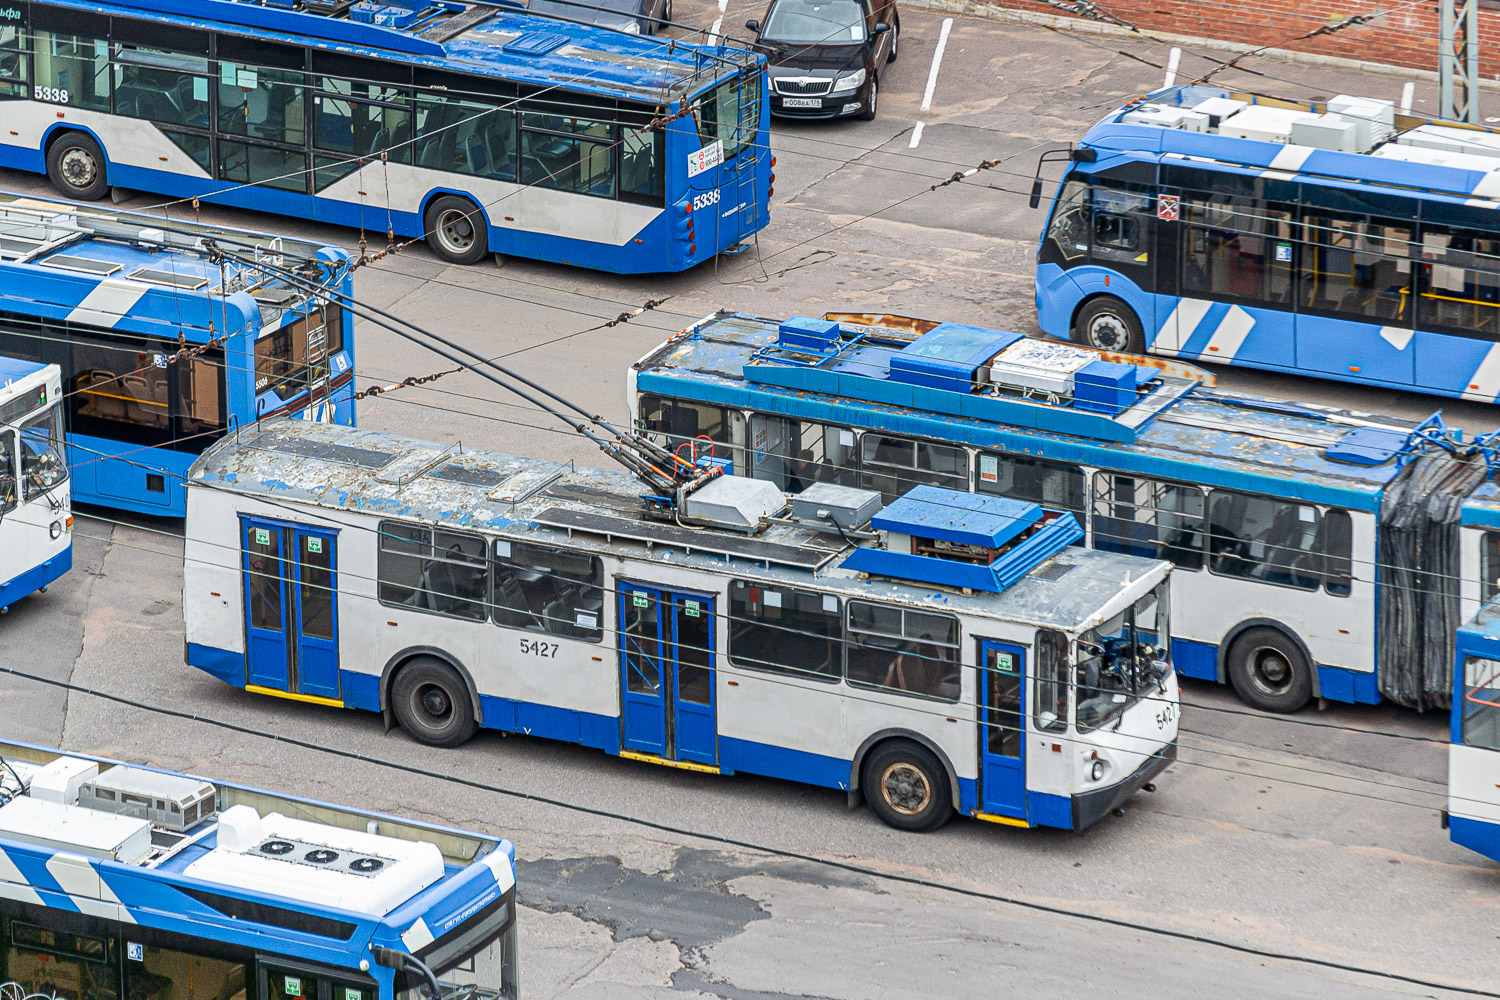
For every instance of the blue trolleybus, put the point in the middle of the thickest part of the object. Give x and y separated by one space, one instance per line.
36 516
476 125
1339 239
124 883
946 653
1473 813
1319 552
163 343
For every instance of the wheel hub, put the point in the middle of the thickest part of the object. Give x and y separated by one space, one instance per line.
1271 670
905 788
435 702
457 231
1108 333
78 168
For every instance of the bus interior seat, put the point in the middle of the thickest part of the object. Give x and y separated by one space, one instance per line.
510 597
140 409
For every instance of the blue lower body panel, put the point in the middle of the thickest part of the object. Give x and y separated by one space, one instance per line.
1476 835
1049 810
779 762
1198 660
225 664
36 578
601 732
1338 684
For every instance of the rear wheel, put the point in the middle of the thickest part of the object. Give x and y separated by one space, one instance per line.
75 166
1269 672
431 701
1110 325
456 230
907 787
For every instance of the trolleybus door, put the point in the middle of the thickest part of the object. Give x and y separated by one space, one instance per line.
1002 783
666 664
291 608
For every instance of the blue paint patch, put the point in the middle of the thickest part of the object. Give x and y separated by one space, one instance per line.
1348 685
1198 660
225 664
1043 809
780 762
1476 835
360 691
968 795
37 577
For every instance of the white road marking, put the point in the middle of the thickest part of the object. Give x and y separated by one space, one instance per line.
937 62
713 33
916 136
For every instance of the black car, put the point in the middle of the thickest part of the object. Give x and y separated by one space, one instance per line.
639 17
826 55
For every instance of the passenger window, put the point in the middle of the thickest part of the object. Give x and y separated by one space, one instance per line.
894 649
1050 484
161 86
261 103
118 392
1238 241
546 589
14 82
465 136
7 471
1336 543
642 164
1482 703
1489 565
282 169
1356 267
1260 538
55 963
568 154
894 465
1460 287
72 69
443 572
1052 667
794 454
1144 517
785 631
362 119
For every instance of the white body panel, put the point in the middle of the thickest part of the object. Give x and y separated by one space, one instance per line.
26 539
1474 783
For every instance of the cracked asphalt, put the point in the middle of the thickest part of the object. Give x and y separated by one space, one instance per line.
1268 835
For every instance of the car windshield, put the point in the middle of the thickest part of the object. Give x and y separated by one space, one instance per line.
1122 659
798 22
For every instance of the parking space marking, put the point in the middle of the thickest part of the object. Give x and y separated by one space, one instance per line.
916 136
713 33
932 75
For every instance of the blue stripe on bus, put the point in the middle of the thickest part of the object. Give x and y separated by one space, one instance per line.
1197 660
36 578
1049 810
601 732
781 762
225 664
1476 835
1359 687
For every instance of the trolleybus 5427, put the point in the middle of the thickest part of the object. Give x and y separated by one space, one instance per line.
124 881
1313 558
163 342
972 661
476 125
36 516
1337 238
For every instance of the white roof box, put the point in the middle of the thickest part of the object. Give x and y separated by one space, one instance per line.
74 829
1437 157
736 501
1330 132
1160 114
1264 123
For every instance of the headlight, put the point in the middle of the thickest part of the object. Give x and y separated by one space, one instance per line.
1097 771
633 28
849 82
55 529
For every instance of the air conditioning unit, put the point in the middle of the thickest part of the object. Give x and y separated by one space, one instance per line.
1264 123
1331 132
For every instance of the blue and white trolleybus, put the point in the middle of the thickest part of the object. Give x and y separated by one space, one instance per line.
36 516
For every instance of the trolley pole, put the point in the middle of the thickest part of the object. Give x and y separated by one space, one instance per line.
1458 59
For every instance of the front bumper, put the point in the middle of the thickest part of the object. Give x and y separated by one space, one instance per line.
1090 807
830 106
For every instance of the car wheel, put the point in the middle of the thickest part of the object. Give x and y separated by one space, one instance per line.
666 16
456 230
895 40
872 104
75 166
431 702
1109 325
1268 671
907 787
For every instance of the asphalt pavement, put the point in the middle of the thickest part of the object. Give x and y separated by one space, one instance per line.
1313 838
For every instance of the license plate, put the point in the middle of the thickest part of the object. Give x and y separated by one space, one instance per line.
801 102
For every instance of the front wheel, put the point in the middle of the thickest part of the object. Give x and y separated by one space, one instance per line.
907 787
456 230
1108 324
1269 672
75 166
895 41
873 104
431 702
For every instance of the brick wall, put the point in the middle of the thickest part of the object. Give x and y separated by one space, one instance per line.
1404 36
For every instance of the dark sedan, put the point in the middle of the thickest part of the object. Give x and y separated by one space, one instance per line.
826 55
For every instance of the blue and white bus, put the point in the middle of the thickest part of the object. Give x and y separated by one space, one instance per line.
971 661
1309 560
476 125
36 515
1340 239
163 343
1473 813
119 881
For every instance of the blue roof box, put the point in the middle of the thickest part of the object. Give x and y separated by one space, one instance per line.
803 333
949 355
964 540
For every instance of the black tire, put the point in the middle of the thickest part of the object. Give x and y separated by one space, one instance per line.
1268 671
432 703
895 41
872 102
907 786
456 230
666 17
1110 325
76 167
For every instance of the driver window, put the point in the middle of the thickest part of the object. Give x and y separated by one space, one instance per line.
1068 230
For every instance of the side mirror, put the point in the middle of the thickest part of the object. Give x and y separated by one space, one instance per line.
880 28
1036 193
753 25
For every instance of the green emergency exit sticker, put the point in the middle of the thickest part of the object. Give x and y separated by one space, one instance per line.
691 607
1004 662
293 987
353 994
640 600
315 546
263 537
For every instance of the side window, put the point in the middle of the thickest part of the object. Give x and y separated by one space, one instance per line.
260 103
1050 484
7 471
1336 543
1482 702
1068 230
568 154
1460 287
546 589
674 422
1123 226
642 161
1144 517
794 454
53 962
199 410
1236 244
785 631
14 62
442 572
71 69
1260 538
361 120
1489 565
1355 267
895 649
165 974
894 465
166 87
117 391
465 135
1050 711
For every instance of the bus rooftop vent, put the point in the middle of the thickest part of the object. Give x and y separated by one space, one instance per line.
536 43
964 540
